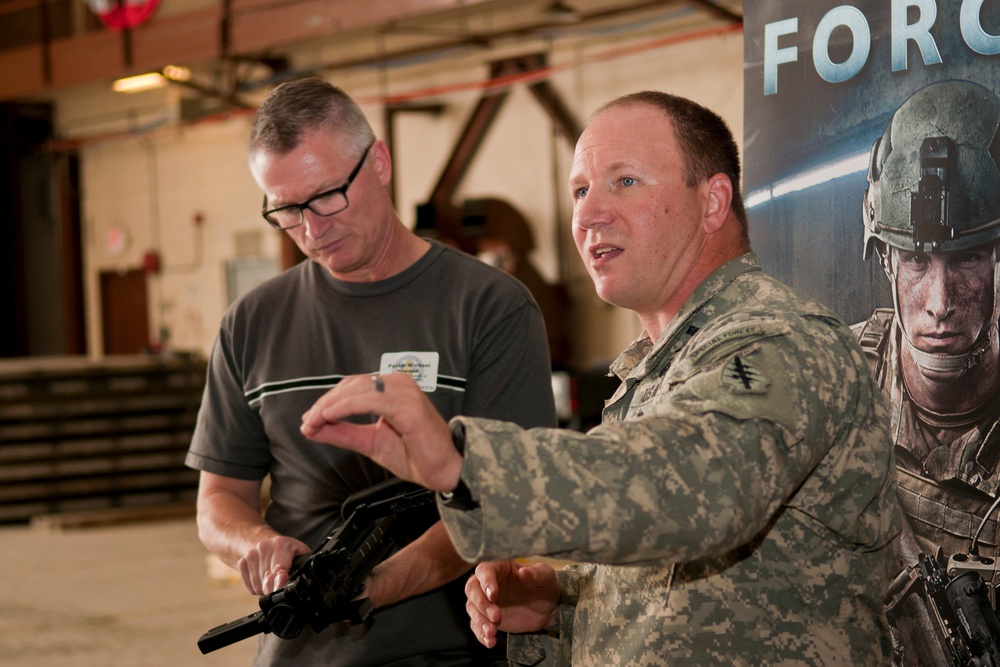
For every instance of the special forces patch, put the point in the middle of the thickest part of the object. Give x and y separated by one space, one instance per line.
743 377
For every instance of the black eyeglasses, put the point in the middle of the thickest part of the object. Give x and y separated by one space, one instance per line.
325 203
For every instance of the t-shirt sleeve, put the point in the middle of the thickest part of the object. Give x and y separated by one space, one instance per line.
229 437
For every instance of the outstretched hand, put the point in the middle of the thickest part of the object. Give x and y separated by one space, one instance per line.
410 439
511 596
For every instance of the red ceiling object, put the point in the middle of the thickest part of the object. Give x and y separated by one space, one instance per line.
123 14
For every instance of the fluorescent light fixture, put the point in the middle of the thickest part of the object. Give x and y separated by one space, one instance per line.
807 179
174 73
138 83
135 84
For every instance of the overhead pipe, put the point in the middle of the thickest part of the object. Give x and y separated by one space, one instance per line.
498 83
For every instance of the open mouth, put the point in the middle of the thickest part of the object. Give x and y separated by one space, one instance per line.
605 252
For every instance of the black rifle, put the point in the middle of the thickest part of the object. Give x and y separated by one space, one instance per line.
959 600
975 639
323 589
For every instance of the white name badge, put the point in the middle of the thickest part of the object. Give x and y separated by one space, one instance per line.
421 366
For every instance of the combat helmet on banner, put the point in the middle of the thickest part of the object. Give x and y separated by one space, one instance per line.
934 187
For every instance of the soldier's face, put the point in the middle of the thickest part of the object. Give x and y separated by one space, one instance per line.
636 221
944 298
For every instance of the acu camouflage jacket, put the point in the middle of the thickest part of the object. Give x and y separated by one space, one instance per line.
735 507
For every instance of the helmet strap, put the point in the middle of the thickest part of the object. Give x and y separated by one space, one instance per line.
951 363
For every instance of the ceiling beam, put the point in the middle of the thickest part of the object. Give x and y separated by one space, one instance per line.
718 10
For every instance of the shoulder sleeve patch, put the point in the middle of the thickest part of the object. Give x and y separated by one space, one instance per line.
733 337
742 377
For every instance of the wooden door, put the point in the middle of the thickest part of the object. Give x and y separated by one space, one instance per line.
124 312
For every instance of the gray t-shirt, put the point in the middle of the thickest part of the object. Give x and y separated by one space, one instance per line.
469 334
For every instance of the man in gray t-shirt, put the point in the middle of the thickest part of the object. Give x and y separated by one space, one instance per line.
372 298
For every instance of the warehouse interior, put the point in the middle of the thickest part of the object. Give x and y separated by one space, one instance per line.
133 222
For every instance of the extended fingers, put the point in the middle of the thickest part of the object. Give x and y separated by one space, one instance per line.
355 437
488 576
484 631
483 616
482 592
358 395
335 406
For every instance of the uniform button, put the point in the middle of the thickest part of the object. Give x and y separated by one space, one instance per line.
976 480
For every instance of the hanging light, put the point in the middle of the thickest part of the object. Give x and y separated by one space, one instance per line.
151 80
138 83
175 73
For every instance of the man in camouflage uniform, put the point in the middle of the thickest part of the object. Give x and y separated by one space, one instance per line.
737 504
932 215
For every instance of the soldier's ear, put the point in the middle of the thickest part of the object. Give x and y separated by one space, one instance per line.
718 202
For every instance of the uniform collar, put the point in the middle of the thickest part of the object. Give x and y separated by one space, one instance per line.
642 354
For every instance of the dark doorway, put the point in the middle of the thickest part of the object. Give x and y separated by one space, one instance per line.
40 247
124 312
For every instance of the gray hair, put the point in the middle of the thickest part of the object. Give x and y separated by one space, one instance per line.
295 108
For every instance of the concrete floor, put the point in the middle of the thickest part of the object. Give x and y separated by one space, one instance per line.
135 595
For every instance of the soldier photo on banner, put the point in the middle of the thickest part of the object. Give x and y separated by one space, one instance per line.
872 151
931 216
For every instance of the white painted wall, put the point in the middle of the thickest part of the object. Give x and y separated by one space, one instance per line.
154 186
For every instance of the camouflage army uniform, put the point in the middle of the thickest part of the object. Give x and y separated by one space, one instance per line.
948 476
741 484
959 451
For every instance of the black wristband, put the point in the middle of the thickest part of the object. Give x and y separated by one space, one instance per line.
458 437
460 498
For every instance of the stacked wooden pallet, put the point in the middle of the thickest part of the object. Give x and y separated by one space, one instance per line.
92 435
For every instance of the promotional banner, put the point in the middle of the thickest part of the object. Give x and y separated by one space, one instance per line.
871 152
